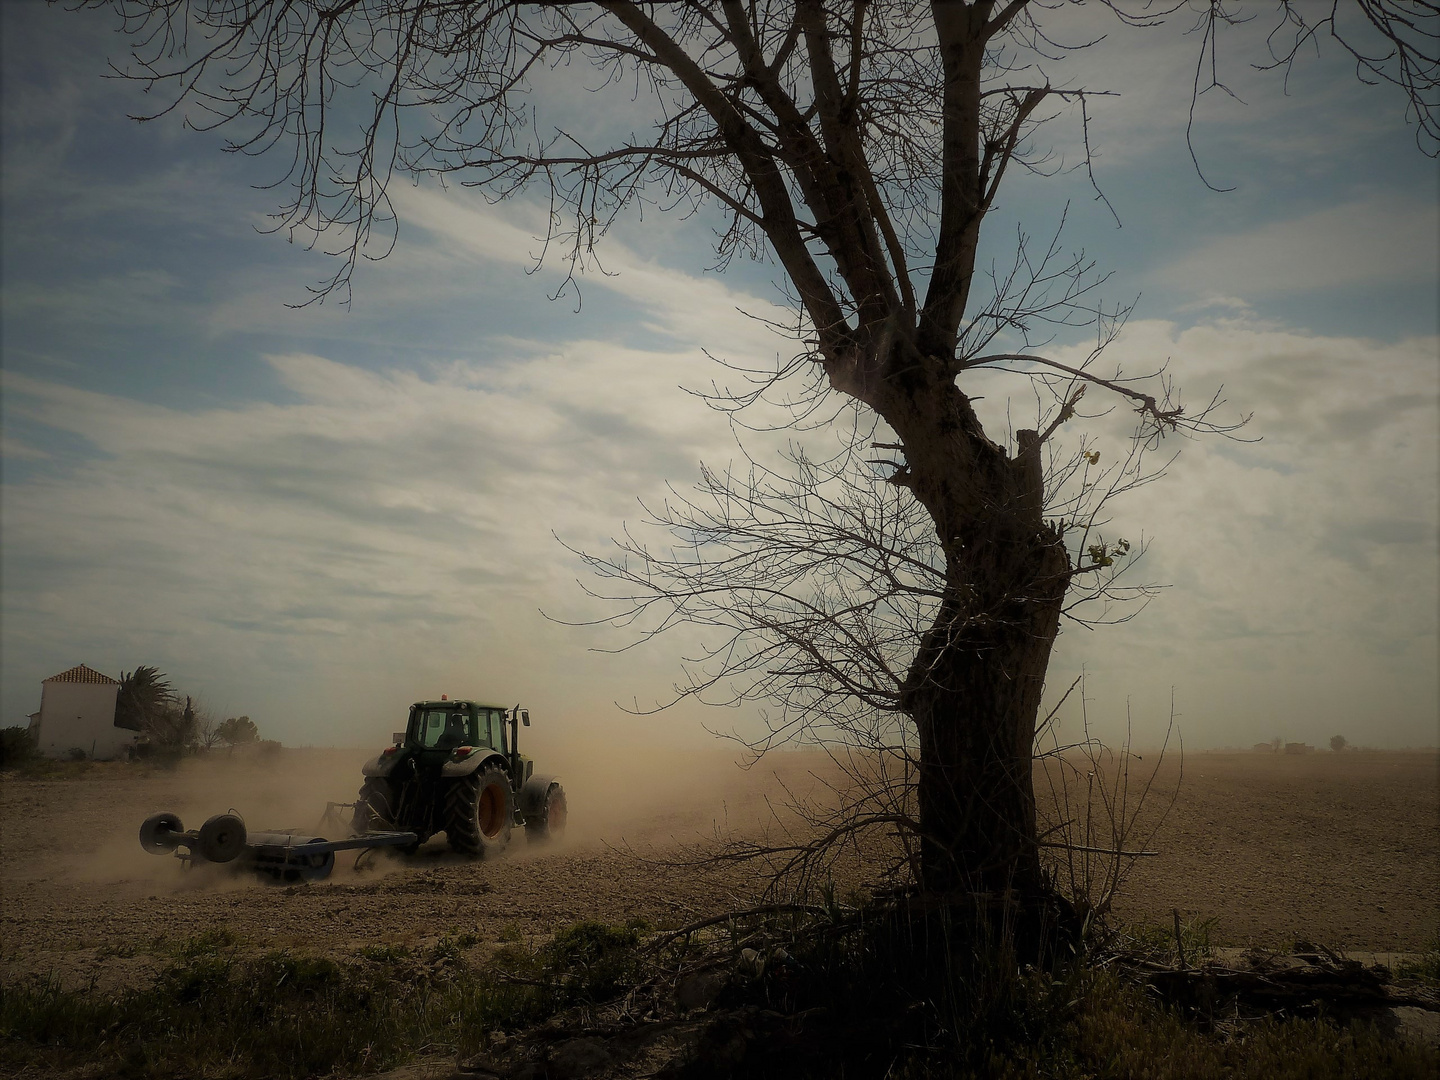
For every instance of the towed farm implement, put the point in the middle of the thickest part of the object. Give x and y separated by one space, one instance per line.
283 856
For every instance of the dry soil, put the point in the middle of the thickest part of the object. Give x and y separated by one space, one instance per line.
1342 849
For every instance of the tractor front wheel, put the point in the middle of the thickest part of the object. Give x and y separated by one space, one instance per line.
478 812
549 823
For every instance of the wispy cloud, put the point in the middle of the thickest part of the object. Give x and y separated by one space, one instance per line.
391 518
1319 540
401 520
366 513
1360 243
679 304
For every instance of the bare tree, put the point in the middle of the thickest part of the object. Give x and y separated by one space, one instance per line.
814 584
860 145
174 726
208 732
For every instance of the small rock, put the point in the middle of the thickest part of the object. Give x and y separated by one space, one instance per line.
1417 1025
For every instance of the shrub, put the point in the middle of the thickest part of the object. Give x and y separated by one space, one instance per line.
591 961
16 747
237 729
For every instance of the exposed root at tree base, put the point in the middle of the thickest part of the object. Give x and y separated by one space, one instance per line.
796 992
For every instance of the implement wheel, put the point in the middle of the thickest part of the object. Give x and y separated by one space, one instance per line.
160 833
478 812
222 838
549 823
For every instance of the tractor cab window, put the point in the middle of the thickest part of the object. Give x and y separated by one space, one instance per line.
497 728
445 728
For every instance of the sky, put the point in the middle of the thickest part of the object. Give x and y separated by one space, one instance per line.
315 516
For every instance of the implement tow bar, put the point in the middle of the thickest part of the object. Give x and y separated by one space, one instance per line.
284 856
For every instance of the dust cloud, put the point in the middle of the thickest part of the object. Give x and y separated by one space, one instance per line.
282 791
620 796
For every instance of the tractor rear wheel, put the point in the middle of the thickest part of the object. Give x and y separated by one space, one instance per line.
549 823
373 806
478 812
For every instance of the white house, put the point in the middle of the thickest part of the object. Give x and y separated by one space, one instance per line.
77 712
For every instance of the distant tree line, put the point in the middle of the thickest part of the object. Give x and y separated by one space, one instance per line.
172 723
150 704
1277 744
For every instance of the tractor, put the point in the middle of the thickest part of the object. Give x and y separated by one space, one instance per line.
455 769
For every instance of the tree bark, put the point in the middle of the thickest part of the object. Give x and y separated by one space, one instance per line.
974 694
975 685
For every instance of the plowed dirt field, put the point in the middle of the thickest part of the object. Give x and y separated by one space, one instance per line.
1343 849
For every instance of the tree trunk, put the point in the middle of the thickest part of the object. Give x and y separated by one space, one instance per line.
975 685
974 693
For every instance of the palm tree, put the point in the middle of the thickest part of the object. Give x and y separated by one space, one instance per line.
143 698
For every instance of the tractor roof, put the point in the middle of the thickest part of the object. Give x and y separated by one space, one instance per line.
457 702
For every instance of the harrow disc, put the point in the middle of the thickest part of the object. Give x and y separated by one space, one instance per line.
160 833
222 838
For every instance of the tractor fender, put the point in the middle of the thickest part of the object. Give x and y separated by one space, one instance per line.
380 765
532 795
474 762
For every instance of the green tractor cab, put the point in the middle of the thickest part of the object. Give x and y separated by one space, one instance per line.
455 769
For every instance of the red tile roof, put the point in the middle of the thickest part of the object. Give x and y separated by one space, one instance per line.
81 673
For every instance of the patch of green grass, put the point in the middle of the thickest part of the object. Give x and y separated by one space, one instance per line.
386 954
215 1013
590 961
210 1013
1119 1031
446 950
43 768
207 943
452 944
1195 937
1426 968
589 942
